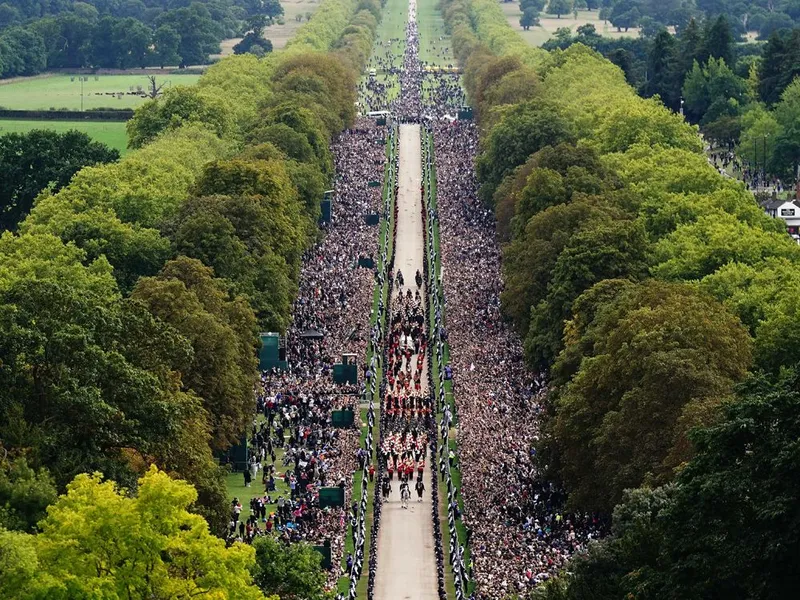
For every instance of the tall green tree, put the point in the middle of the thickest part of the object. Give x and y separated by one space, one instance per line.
25 494
559 7
523 130
529 18
662 70
199 33
603 249
178 106
99 540
625 14
291 571
33 161
222 333
787 144
726 528
718 42
88 381
652 362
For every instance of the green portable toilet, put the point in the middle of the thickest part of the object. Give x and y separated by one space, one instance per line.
465 113
326 207
325 551
366 262
273 352
343 418
331 496
346 371
239 455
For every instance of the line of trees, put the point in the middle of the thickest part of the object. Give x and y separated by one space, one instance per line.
741 95
130 302
124 35
661 301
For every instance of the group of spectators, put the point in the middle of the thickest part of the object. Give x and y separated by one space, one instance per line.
519 533
728 164
295 441
407 107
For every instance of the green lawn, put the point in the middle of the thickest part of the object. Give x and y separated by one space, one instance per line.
64 91
111 134
236 488
432 49
389 44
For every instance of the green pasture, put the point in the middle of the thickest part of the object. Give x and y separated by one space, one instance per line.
434 43
112 134
100 91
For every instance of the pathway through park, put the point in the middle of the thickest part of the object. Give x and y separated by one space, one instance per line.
407 559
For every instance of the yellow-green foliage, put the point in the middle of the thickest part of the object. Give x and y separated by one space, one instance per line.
144 187
492 28
41 257
324 28
244 80
180 106
149 542
606 112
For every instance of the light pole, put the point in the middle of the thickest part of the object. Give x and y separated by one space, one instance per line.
681 105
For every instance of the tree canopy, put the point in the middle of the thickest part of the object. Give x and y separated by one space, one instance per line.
98 539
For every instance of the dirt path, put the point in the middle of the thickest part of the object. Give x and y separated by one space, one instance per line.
406 554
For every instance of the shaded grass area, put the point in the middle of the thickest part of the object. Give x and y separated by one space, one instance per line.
112 134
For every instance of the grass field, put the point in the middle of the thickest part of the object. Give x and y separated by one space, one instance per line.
434 45
64 91
388 49
111 134
536 36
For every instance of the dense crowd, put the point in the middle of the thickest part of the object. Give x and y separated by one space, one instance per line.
334 301
519 534
408 105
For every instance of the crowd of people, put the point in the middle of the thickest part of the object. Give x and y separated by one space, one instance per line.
728 164
295 442
407 107
519 533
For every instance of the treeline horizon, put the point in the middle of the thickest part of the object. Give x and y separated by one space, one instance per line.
130 34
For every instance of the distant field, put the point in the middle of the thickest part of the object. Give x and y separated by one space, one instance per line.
434 45
279 35
64 91
111 134
387 51
537 36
